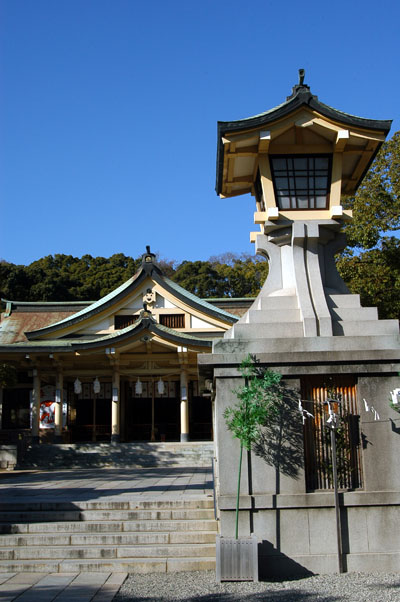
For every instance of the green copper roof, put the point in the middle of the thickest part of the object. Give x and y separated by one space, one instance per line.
145 322
148 269
201 303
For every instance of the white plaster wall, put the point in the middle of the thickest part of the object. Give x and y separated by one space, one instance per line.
198 323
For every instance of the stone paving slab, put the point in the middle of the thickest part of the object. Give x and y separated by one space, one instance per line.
106 484
16 585
60 587
47 588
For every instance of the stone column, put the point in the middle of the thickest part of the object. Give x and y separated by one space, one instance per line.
58 409
36 407
115 408
184 407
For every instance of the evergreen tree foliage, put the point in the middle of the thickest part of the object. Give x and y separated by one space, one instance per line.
371 264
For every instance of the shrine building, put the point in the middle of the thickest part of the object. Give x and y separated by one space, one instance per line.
123 368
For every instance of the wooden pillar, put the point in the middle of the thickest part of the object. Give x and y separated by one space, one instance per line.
58 409
184 407
36 407
115 408
153 426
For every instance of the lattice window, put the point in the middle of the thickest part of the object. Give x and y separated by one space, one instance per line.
301 182
123 321
317 437
173 320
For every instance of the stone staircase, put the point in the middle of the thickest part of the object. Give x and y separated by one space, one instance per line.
121 455
119 536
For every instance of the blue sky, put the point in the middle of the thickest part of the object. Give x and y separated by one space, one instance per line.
109 112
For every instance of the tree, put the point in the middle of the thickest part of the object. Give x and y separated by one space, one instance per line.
244 276
376 205
200 278
375 275
371 264
259 398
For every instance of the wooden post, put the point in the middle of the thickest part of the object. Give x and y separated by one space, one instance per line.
184 407
36 407
153 430
115 407
58 408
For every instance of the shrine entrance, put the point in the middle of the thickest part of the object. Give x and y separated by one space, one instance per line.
150 415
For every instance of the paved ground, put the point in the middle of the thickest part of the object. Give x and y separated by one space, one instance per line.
62 587
105 484
89 485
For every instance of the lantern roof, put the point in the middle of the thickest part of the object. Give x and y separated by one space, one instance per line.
303 109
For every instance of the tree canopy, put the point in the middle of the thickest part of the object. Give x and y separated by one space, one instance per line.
67 278
370 264
376 205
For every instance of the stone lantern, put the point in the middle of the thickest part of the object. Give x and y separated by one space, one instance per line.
299 160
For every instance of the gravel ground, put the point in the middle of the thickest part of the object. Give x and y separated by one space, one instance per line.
201 587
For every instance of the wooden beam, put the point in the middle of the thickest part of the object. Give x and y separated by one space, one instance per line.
355 176
231 169
235 193
264 141
294 149
336 181
327 124
242 180
243 151
266 182
229 138
342 138
370 136
357 150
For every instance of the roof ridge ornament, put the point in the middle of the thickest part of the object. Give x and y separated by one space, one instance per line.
301 87
149 261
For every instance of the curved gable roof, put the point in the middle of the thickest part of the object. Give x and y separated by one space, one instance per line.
301 97
148 269
145 323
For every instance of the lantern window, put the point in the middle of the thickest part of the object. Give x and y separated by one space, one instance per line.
301 181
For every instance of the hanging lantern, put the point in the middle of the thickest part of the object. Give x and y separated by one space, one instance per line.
138 387
96 386
160 387
77 386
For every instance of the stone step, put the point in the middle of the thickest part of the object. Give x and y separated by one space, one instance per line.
105 515
164 550
123 455
267 331
108 505
281 302
112 539
117 565
114 526
385 343
343 300
365 328
149 515
39 516
354 313
256 316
